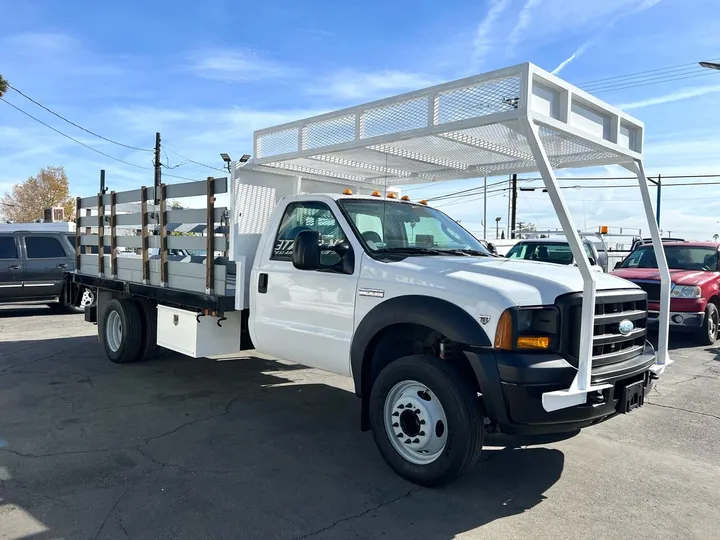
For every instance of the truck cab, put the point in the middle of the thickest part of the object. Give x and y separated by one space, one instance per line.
694 296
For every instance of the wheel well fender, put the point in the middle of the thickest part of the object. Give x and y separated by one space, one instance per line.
441 316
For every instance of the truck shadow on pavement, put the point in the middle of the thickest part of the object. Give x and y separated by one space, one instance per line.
182 448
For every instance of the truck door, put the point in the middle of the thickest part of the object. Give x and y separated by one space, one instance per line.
10 268
305 316
46 261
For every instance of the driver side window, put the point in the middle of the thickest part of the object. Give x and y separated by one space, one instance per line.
308 216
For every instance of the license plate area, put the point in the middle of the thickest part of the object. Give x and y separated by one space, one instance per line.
633 396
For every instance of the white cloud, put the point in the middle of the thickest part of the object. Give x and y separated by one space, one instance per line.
642 6
482 43
677 95
352 85
236 65
524 19
577 53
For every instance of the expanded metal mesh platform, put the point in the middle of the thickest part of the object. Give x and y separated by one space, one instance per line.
463 129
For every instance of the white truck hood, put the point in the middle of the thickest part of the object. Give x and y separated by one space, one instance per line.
525 282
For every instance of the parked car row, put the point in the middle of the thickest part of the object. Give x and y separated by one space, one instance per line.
33 264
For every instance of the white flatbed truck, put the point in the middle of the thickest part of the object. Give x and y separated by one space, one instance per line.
326 269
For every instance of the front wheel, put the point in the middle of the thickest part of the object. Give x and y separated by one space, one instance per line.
426 420
709 330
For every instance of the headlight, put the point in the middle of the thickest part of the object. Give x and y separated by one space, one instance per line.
527 328
686 291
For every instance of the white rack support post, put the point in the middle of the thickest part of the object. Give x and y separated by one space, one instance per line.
576 394
663 358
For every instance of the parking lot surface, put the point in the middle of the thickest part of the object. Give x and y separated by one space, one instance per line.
253 448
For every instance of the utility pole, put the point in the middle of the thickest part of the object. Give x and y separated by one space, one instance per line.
158 168
514 206
485 208
509 197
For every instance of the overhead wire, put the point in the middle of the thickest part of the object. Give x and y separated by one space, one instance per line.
77 125
188 160
107 139
74 139
645 78
676 67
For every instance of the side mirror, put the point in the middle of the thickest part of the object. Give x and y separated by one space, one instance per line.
306 251
492 249
617 265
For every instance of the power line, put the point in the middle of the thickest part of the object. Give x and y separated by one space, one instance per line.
631 186
76 125
464 192
73 139
100 137
638 73
188 160
645 78
708 72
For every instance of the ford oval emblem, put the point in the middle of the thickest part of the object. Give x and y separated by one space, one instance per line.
626 327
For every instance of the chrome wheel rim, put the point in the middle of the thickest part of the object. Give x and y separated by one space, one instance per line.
88 298
113 331
712 326
415 422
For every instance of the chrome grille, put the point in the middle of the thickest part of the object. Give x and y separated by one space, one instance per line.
609 344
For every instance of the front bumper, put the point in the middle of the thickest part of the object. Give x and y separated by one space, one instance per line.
678 319
512 385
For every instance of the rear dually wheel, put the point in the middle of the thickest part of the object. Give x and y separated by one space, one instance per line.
122 334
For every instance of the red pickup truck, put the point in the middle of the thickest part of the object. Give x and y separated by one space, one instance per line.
695 275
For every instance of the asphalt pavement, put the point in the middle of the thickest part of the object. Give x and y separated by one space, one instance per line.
248 447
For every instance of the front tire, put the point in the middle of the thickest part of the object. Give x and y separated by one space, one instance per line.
707 335
426 419
122 334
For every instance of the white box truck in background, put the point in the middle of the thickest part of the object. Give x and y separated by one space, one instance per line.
327 269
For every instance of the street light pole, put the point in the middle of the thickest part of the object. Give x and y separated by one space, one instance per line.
485 208
710 65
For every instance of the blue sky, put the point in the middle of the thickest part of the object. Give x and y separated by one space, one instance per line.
206 74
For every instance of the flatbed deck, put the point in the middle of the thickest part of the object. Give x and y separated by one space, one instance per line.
165 295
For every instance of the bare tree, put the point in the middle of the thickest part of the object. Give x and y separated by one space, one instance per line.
26 201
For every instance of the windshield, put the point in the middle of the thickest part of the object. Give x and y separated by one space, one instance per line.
389 226
678 258
552 252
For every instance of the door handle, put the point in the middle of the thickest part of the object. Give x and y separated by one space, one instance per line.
14 267
62 265
262 283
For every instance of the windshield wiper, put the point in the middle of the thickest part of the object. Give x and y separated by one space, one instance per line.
468 252
410 250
